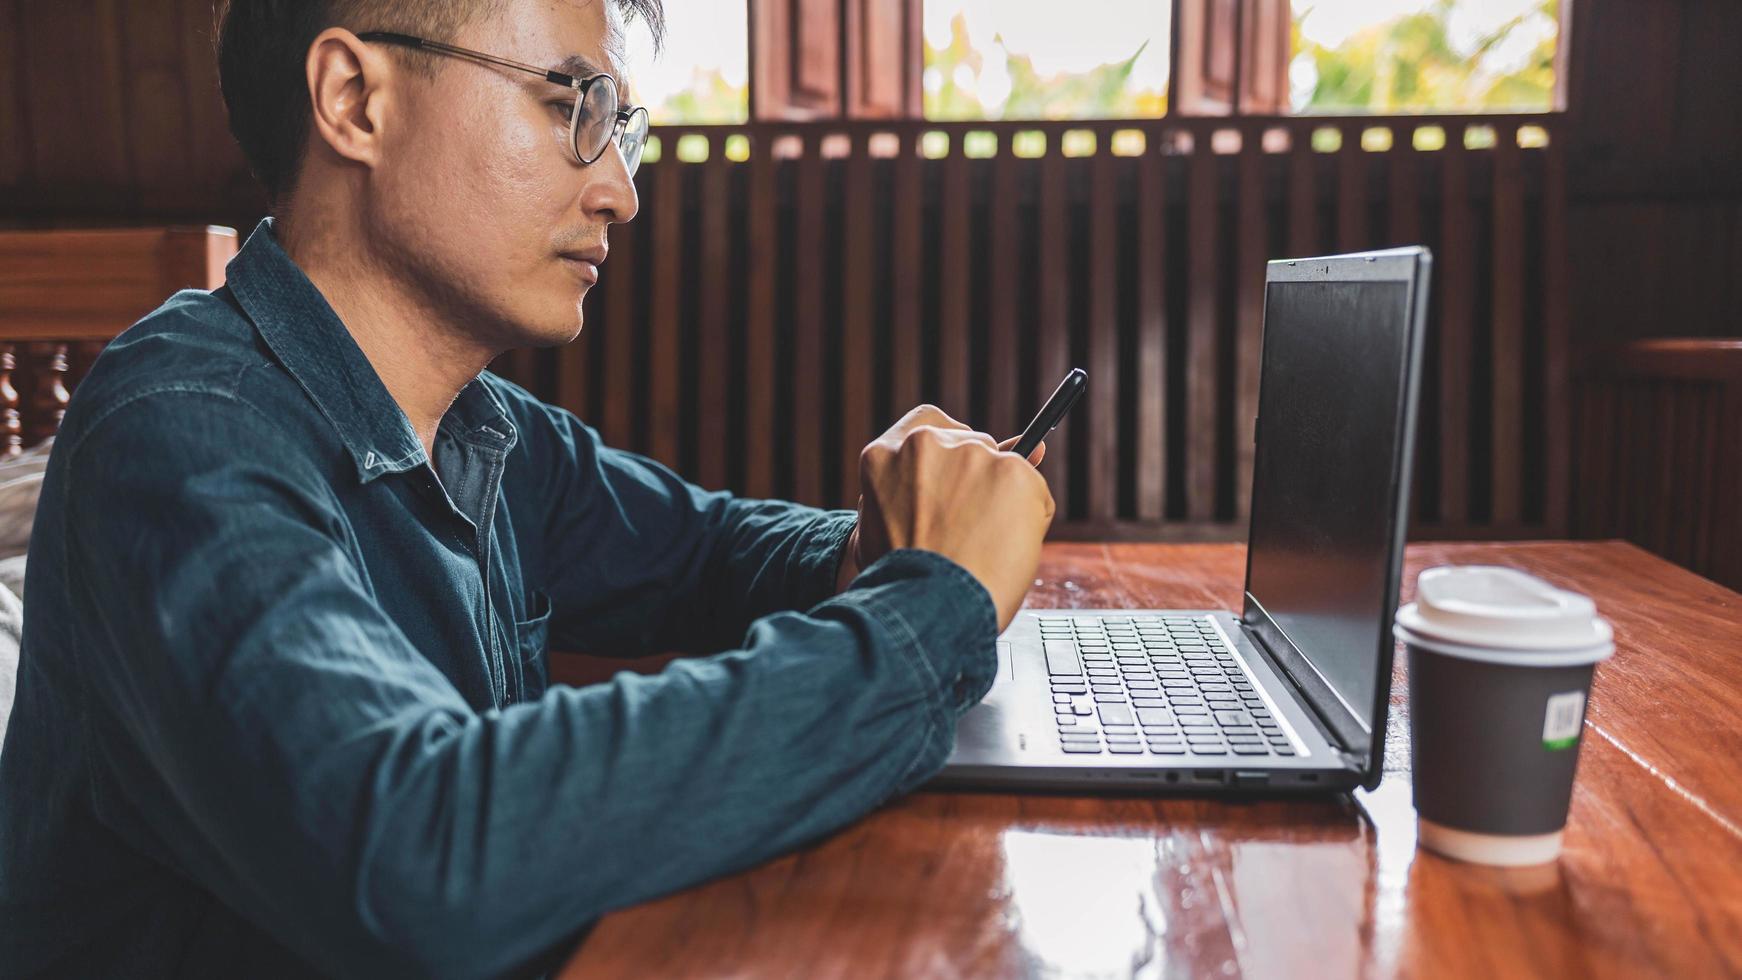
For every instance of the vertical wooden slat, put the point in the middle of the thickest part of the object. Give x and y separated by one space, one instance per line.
1203 229
1557 286
155 99
760 319
858 355
1253 236
952 323
1457 283
665 337
1002 290
1151 437
905 254
78 138
620 321
1352 233
715 345
1303 194
1507 363
1105 439
807 376
1403 207
1053 327
15 169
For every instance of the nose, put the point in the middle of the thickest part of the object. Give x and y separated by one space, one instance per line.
610 191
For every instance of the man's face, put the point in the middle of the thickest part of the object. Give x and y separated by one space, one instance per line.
478 199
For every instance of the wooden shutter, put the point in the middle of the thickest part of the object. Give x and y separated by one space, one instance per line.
883 59
1207 58
795 59
1265 39
1231 56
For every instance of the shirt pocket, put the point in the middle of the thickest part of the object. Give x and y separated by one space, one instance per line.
531 638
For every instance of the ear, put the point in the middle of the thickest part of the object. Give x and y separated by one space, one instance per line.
348 95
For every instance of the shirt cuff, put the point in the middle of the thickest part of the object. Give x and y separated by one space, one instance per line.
952 626
819 555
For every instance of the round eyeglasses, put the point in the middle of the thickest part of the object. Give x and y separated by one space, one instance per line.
595 119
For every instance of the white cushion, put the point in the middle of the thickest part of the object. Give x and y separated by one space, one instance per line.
20 486
11 632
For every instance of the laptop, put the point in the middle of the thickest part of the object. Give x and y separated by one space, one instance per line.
1290 694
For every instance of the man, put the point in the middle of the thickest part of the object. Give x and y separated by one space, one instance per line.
282 704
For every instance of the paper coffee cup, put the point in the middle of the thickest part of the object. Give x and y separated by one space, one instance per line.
1500 666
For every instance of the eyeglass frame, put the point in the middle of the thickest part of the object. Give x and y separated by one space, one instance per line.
619 125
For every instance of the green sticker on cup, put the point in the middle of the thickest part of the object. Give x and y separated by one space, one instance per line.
1562 719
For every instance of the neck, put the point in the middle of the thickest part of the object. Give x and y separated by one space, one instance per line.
422 357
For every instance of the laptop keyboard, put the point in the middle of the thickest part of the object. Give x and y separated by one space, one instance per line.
1165 685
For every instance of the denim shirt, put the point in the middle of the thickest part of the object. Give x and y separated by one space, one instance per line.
283 708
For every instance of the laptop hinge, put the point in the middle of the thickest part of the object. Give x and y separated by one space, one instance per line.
1339 727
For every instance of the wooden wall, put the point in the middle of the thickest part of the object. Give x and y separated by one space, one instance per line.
971 265
1655 169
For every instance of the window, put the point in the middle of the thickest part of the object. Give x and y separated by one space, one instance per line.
703 73
1039 59
1401 56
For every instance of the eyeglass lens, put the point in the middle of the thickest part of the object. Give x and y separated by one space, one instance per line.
597 123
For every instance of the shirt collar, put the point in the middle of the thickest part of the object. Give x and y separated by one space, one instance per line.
306 334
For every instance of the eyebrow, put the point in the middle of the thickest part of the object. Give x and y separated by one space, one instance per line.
580 67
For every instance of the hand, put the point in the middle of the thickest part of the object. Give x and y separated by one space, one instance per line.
931 482
857 554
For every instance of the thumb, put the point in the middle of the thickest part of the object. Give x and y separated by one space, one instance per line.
1033 457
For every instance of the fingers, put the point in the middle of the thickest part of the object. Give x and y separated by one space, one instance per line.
928 414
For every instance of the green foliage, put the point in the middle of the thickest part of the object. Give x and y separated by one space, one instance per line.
1409 64
709 99
1102 92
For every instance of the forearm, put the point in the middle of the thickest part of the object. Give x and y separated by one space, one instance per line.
588 800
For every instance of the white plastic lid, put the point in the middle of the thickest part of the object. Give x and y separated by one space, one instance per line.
1476 610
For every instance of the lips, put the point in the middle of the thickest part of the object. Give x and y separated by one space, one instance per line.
585 262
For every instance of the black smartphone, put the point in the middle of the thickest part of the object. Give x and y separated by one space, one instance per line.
1053 412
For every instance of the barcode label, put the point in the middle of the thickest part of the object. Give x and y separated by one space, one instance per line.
1561 722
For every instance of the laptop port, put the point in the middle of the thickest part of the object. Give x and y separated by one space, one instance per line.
1208 776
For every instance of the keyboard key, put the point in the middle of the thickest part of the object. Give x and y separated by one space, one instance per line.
1283 749
1239 730
1143 702
1113 737
1197 738
1244 740
1116 714
1082 748
1190 729
1231 718
1079 737
1061 699
1154 716
1077 688
1167 748
1208 749
1191 710
1121 729
1243 749
1110 699
1122 748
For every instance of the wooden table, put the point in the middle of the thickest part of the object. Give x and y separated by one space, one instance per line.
949 884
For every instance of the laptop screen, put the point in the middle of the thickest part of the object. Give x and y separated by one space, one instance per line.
1335 363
